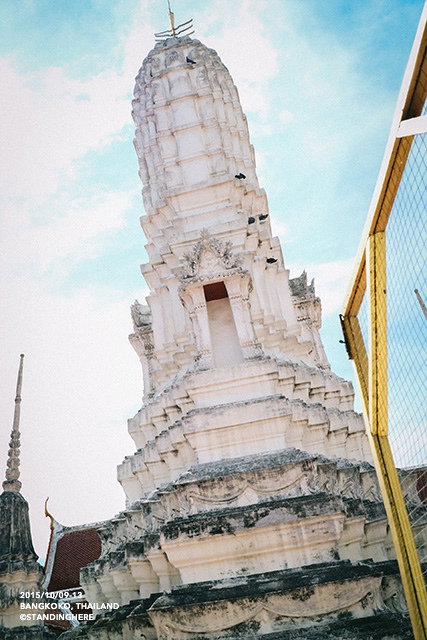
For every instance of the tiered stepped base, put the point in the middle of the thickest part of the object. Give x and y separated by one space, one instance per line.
338 600
278 545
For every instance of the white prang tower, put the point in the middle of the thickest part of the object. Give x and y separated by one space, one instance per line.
251 507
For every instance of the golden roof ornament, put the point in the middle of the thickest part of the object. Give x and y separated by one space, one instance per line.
174 32
48 515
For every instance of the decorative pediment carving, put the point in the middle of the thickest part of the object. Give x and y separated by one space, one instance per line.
307 305
210 258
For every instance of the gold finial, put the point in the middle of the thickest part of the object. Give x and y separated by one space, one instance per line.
12 482
174 32
171 19
48 515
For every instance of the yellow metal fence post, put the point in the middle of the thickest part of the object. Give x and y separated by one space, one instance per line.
377 408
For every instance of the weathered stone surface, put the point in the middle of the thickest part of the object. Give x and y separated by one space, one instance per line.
288 581
26 633
19 569
343 600
15 536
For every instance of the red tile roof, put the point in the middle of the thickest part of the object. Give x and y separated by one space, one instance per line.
74 550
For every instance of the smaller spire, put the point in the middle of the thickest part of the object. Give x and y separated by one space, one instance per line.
173 32
12 482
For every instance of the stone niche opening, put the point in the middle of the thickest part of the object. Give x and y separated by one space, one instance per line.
226 349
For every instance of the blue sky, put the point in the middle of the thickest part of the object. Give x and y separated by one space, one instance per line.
319 83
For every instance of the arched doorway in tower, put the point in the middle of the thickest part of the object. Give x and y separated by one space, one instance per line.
226 349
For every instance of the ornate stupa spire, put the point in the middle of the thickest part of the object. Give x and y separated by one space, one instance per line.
12 482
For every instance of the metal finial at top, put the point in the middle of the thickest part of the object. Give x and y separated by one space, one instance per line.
174 32
171 17
12 482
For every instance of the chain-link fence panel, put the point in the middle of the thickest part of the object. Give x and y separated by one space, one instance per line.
406 237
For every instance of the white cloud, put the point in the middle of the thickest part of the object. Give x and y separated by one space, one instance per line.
245 48
75 230
280 228
286 116
49 120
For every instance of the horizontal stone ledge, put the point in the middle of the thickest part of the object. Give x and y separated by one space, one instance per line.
233 519
244 464
283 581
381 626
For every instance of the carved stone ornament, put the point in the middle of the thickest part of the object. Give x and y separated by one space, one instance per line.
141 316
210 258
